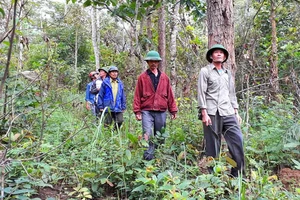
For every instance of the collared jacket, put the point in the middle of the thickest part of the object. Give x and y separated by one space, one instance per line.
106 98
216 91
88 95
146 98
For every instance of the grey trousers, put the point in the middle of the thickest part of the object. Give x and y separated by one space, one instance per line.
152 121
228 126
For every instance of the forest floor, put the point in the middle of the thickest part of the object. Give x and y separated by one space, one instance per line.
290 178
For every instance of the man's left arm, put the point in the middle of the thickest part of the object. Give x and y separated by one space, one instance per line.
233 98
123 99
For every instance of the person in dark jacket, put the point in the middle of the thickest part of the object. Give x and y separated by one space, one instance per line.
90 97
152 98
97 85
219 109
112 96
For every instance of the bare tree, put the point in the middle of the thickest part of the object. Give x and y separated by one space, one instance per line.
11 39
162 36
94 36
274 84
173 44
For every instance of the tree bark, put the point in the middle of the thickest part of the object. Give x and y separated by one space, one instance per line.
149 32
162 36
221 28
94 36
173 44
273 56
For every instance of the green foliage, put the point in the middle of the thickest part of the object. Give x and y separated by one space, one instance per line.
2 12
197 8
272 133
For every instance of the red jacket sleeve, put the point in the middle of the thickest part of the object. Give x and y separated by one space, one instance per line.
137 97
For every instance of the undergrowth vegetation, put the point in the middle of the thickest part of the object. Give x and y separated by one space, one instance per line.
56 142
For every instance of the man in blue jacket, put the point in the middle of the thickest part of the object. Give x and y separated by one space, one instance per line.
112 95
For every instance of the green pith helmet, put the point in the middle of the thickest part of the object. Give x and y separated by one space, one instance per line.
214 47
153 55
104 69
113 68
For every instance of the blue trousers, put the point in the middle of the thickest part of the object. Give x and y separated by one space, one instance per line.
152 121
228 126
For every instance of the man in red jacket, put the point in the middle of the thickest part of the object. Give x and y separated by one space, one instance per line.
152 98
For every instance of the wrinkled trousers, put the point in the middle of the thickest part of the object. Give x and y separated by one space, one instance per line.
152 121
228 126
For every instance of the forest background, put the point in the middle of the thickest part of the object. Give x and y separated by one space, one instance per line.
51 147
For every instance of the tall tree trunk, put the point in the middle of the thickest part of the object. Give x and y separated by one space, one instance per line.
273 56
162 36
221 28
94 36
173 44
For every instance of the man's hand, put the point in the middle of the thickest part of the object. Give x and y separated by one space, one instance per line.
205 118
240 120
173 116
138 117
238 117
88 107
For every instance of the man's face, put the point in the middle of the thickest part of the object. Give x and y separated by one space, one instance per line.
95 76
218 56
113 74
102 73
152 64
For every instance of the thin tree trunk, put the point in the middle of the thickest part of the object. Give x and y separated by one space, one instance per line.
94 36
76 50
149 32
11 40
273 57
162 36
221 28
173 44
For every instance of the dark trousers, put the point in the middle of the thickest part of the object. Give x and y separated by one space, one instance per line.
117 117
228 126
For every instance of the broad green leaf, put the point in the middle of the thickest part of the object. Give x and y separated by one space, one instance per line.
103 180
292 145
2 12
132 138
22 191
166 187
297 164
121 169
87 3
128 154
184 184
139 188
89 175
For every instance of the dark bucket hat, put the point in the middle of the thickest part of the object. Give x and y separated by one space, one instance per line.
214 47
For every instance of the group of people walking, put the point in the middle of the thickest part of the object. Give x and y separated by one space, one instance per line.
153 97
105 93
